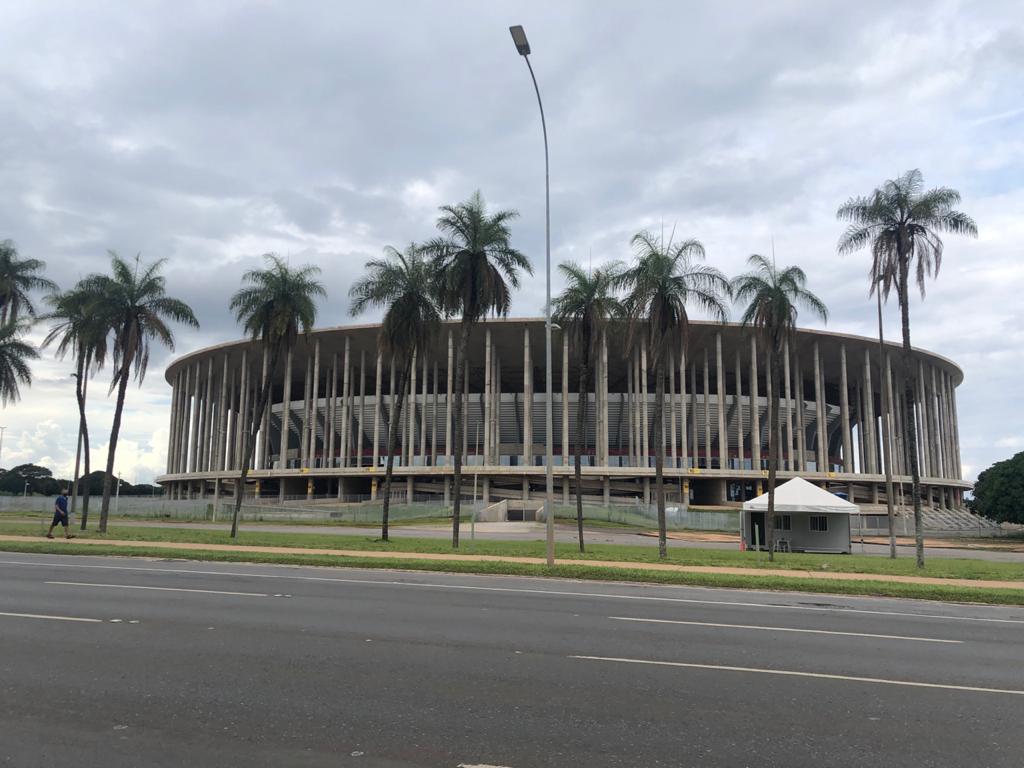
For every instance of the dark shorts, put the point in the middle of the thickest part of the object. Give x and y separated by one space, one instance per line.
60 519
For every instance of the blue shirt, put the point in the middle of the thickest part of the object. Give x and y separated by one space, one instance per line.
62 503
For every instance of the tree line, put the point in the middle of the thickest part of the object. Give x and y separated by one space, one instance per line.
469 270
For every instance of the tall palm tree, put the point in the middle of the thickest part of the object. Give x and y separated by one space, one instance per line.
78 329
18 278
404 284
901 222
273 305
133 304
475 266
14 357
584 310
772 297
665 277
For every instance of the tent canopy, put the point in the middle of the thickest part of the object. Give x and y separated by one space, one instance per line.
798 495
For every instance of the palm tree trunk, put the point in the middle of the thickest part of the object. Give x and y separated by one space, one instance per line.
659 451
909 425
581 438
115 429
773 447
85 445
80 397
249 445
393 427
886 429
460 374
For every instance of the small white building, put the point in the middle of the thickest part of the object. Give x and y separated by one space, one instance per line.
807 519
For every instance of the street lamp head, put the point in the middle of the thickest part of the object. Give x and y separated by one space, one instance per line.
519 38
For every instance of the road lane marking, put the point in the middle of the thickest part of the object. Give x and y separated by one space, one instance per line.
53 618
523 590
159 589
787 629
794 673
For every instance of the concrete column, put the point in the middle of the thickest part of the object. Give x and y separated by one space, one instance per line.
644 420
692 405
204 444
194 436
923 432
433 420
801 414
821 457
378 394
957 466
286 412
933 403
707 410
314 406
786 458
771 401
684 404
331 426
737 399
362 408
870 455
527 400
170 430
229 440
465 411
844 411
305 421
565 413
723 433
449 397
410 412
604 400
346 429
755 409
488 368
496 412
173 452
637 411
261 448
861 428
630 406
671 375
423 410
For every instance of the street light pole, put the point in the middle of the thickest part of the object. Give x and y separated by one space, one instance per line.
523 47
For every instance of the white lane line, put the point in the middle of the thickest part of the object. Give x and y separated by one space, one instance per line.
53 618
159 589
523 590
480 765
793 673
787 629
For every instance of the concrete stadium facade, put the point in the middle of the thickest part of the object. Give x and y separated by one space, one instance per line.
335 393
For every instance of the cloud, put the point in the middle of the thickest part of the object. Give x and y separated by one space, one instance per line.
211 134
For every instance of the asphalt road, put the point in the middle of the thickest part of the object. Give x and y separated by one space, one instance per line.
124 662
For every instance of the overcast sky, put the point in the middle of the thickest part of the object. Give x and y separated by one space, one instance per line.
209 133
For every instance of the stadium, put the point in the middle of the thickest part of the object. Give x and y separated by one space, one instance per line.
335 392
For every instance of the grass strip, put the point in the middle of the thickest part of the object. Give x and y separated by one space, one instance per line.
590 573
959 568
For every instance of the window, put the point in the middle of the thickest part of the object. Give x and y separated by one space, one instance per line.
818 523
783 523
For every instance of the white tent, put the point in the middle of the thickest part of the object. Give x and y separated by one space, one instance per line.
807 518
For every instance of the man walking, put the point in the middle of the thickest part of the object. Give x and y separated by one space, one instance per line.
60 515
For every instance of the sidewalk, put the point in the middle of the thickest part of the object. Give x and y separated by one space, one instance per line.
633 566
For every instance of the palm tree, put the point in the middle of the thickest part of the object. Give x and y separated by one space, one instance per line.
772 297
584 310
475 266
133 304
901 223
14 357
18 277
404 284
78 329
273 305
664 279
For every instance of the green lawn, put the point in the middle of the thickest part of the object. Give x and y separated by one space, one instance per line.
868 588
936 567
